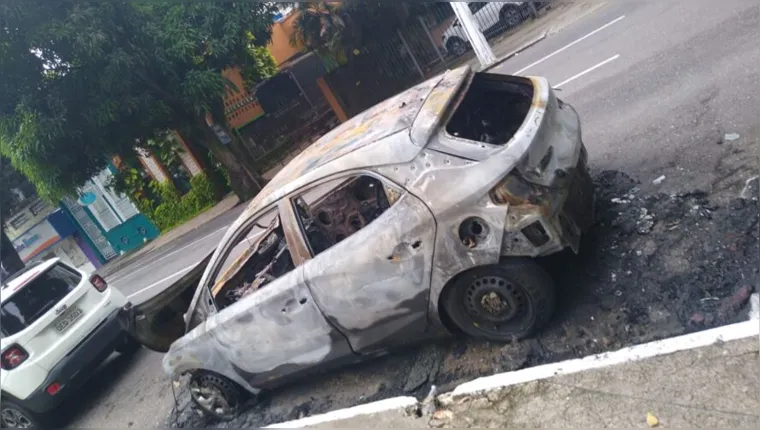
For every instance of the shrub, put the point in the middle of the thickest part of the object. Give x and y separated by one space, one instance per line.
175 209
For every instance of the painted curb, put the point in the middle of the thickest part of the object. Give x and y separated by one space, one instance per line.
630 354
395 403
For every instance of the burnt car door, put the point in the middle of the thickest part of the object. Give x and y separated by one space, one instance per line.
266 324
372 246
157 321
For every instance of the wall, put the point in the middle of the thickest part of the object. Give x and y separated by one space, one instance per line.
240 107
32 214
36 240
280 46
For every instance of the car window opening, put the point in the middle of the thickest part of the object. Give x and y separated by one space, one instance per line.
266 261
493 109
331 217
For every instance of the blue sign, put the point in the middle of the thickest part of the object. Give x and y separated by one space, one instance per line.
220 133
87 198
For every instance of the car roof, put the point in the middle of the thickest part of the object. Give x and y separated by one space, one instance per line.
21 278
365 133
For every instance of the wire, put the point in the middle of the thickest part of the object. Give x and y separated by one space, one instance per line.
175 408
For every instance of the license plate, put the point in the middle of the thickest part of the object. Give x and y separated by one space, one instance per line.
65 321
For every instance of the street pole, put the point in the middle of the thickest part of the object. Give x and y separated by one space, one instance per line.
474 35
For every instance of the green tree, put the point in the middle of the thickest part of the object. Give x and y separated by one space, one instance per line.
337 30
83 81
259 66
321 27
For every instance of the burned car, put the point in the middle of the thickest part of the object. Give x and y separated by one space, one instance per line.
416 218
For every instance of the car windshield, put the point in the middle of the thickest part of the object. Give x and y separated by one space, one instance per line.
36 298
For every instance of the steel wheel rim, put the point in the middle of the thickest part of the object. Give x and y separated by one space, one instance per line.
13 418
497 305
512 18
212 398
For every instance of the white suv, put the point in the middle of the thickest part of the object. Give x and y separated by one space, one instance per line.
491 17
57 324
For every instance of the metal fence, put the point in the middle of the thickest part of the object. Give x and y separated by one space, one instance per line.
494 19
428 44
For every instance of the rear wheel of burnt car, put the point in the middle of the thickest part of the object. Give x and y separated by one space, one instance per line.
502 302
14 416
456 46
216 395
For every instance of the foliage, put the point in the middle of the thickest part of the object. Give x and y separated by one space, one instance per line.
336 31
83 81
175 209
320 27
166 148
259 66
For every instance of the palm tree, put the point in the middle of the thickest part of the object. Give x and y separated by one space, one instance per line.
320 27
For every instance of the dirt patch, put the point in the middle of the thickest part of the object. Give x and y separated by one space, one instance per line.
653 266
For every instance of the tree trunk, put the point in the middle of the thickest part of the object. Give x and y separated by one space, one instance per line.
242 180
12 263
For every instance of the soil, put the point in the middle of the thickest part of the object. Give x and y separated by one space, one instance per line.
653 266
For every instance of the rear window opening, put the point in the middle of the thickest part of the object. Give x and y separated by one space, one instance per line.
493 109
36 298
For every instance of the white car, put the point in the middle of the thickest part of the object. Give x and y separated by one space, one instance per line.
57 324
491 17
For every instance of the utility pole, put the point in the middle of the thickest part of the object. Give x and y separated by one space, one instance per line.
474 35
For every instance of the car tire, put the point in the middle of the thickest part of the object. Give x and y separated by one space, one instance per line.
508 301
510 17
216 395
128 345
456 46
15 416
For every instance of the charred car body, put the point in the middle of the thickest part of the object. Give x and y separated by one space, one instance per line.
413 219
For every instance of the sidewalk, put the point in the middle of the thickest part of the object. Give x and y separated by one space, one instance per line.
708 379
122 261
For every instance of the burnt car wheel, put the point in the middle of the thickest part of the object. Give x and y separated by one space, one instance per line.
216 395
502 302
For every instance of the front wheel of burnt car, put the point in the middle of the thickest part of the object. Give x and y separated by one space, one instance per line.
501 302
216 395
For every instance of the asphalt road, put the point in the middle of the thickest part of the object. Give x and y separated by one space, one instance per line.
658 85
151 273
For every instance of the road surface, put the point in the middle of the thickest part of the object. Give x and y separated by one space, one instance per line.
658 85
157 269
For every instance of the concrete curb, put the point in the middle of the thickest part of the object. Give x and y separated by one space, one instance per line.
630 354
517 51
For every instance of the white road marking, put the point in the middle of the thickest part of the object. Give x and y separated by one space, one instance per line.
172 276
590 69
342 414
570 44
701 339
165 256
